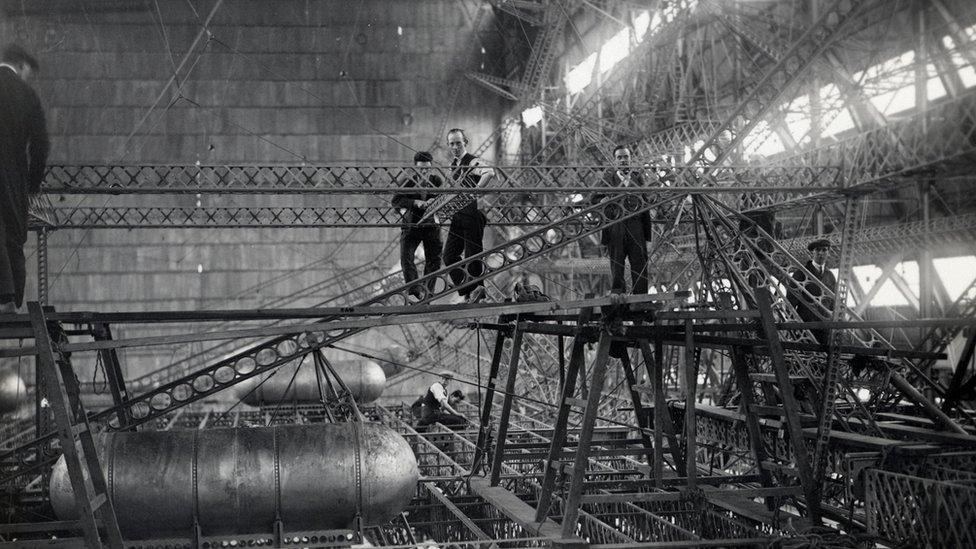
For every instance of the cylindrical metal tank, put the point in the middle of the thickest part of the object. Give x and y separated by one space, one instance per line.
13 391
364 378
236 481
392 358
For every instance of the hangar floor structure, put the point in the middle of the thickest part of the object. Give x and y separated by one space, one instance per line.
709 412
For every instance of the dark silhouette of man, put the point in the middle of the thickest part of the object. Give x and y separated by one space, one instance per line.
627 239
23 153
467 231
416 232
817 266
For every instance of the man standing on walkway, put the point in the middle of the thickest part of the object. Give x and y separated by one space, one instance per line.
23 154
467 230
625 239
414 204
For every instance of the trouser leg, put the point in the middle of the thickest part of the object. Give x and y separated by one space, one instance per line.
474 235
7 287
452 251
637 255
408 248
616 252
431 238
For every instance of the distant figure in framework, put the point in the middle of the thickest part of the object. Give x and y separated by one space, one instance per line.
438 406
416 232
625 239
817 266
467 230
23 154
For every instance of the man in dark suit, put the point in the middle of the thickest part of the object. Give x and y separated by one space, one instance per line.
626 239
23 154
817 266
414 204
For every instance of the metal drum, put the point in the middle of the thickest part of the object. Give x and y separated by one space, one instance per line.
392 359
236 481
364 378
13 391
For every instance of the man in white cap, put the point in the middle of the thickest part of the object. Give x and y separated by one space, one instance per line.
437 404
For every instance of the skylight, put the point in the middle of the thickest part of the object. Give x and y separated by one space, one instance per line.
620 45
532 116
615 49
957 273
578 78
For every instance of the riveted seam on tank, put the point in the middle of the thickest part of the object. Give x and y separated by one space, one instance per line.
359 470
110 466
193 477
277 473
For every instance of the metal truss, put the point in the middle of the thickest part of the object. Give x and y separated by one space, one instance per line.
932 140
580 117
518 182
385 180
552 23
140 217
286 349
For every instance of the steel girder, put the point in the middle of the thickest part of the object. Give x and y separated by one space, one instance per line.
520 182
871 244
265 357
385 180
139 217
872 159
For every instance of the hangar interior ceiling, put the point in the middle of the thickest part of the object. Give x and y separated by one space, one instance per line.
220 349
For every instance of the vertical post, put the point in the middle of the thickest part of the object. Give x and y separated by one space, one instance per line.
926 284
639 411
42 267
790 407
660 404
599 371
74 433
483 429
741 370
561 343
921 64
506 411
691 423
560 427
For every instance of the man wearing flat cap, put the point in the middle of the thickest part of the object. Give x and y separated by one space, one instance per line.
437 404
816 266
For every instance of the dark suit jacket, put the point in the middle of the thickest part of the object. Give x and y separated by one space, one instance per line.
413 214
23 151
827 278
638 227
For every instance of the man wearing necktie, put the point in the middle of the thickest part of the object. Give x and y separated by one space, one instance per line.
816 266
467 230
625 240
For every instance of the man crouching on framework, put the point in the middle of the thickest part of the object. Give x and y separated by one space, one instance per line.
438 405
625 239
